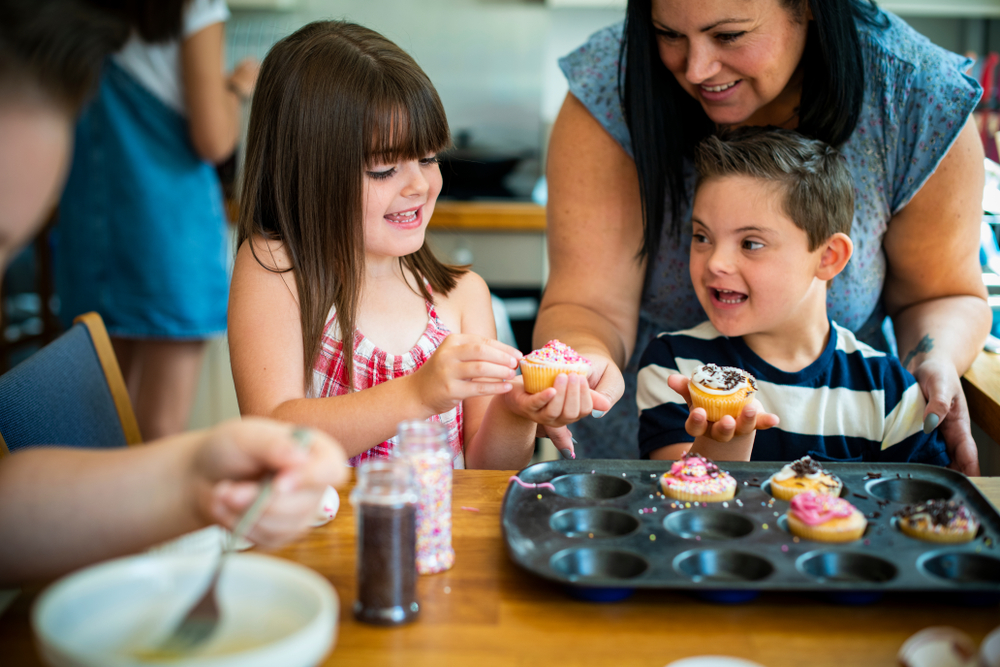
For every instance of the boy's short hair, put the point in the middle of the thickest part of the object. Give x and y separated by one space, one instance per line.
55 49
818 188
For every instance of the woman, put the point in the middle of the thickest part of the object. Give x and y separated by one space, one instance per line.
620 184
142 233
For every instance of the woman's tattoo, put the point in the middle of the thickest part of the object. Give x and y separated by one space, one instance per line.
926 344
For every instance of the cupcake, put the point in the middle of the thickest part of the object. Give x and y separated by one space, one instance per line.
803 475
945 521
540 368
824 518
695 478
721 390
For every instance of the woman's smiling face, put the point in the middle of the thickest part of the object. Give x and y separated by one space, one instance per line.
738 58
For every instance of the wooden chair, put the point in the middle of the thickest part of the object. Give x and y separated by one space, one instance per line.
69 393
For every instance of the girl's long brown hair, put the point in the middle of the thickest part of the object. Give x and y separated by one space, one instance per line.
333 99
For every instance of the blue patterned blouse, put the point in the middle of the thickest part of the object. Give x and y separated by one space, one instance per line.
917 99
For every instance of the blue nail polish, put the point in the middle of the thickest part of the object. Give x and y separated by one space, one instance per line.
931 422
597 414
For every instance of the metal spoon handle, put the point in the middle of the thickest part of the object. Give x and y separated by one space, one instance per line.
250 517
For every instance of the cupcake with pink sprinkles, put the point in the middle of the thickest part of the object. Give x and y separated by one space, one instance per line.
541 367
696 478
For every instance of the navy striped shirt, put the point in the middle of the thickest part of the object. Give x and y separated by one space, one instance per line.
853 403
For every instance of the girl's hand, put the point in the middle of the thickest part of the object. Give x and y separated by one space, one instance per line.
947 410
753 418
568 400
465 366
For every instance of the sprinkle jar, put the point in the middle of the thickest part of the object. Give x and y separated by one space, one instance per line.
385 508
424 446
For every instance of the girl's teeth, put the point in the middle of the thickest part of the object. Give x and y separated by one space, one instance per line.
402 217
719 89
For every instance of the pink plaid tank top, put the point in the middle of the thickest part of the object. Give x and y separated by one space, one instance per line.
373 366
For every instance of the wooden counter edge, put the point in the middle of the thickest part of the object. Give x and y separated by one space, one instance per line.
982 392
488 217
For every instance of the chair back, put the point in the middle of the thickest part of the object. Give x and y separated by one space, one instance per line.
69 393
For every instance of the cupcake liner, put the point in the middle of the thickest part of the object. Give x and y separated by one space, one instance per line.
942 537
847 529
782 492
699 497
538 378
716 407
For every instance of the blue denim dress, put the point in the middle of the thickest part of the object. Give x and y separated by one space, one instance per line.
916 101
141 237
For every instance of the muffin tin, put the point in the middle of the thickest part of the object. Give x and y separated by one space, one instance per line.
607 526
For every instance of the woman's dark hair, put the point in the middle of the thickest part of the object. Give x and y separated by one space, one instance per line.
665 123
154 20
334 99
55 48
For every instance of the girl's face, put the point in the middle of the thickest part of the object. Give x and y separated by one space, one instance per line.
738 58
398 202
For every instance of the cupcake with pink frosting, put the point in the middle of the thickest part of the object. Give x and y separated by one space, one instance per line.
541 367
825 518
696 478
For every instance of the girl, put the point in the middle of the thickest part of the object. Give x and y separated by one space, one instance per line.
341 179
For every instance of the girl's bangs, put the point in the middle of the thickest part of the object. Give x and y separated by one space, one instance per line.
405 130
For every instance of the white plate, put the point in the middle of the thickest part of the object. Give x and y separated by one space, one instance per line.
274 612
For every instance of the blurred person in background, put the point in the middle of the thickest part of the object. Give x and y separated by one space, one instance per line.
141 231
64 508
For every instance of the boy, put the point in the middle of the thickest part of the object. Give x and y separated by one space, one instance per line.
772 214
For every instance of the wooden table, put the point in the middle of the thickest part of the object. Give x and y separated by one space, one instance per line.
486 611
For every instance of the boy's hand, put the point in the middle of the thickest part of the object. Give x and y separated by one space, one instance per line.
570 399
465 366
753 418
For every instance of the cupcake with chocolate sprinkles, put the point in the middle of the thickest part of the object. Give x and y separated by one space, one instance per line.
943 521
802 475
721 390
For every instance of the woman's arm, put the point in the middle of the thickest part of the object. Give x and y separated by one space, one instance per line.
213 101
265 347
66 508
591 301
934 290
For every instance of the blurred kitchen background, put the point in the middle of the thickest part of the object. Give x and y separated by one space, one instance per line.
494 64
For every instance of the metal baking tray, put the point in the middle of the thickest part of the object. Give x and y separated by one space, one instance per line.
605 526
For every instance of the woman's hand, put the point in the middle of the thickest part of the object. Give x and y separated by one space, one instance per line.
231 458
465 366
947 410
753 418
568 400
606 381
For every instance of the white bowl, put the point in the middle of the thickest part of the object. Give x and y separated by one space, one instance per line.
273 612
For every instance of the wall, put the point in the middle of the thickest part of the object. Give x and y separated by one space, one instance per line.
484 56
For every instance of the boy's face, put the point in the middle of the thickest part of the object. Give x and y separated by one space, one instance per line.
751 266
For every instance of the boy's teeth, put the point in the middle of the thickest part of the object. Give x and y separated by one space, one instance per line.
726 296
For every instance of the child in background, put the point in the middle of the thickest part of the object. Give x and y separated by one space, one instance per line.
341 178
772 214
